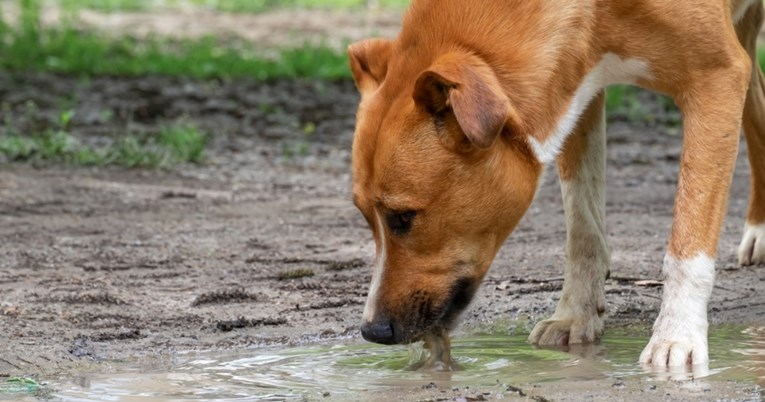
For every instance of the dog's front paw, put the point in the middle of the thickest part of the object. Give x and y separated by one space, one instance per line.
565 331
752 248
680 333
677 344
675 352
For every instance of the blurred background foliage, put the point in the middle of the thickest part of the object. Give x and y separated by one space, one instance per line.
237 6
28 45
50 37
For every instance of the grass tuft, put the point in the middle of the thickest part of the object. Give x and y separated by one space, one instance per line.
14 385
296 274
174 145
185 143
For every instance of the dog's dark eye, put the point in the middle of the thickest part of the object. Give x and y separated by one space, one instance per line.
400 222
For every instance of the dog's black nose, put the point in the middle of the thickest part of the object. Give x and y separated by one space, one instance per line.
378 331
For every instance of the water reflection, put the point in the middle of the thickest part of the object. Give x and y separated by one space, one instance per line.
278 374
754 352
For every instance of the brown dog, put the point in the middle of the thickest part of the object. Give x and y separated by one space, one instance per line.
459 114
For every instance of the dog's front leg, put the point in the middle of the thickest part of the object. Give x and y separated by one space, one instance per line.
711 109
581 167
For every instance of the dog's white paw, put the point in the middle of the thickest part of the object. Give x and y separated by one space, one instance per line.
752 248
565 331
680 332
676 347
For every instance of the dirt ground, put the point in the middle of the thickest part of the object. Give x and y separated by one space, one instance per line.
106 264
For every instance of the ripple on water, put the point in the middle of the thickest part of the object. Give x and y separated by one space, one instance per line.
278 374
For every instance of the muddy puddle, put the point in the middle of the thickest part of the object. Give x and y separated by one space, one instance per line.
351 371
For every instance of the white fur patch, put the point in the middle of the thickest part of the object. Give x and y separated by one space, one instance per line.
610 70
752 248
680 332
382 256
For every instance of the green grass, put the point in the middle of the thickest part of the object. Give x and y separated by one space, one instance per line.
173 145
28 47
106 5
68 51
623 99
14 385
617 96
761 56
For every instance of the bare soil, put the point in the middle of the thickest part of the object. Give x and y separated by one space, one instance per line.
269 30
261 245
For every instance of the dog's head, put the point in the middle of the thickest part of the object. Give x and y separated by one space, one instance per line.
440 175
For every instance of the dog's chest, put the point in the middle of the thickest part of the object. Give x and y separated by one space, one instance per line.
610 70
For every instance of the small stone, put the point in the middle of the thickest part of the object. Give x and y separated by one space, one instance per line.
518 390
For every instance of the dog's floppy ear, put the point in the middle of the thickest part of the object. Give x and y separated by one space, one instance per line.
369 62
466 85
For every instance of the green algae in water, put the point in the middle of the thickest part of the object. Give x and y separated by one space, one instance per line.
512 357
488 358
19 385
346 370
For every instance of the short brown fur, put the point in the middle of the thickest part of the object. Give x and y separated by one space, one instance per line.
451 108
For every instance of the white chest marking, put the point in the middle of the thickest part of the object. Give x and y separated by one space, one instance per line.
610 70
382 255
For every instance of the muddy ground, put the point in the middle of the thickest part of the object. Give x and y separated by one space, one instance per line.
106 264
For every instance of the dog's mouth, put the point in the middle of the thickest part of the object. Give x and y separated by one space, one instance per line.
436 323
459 298
422 316
436 336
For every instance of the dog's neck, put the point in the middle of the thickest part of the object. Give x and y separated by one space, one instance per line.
549 90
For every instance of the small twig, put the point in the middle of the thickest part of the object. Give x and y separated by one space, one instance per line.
17 367
627 279
726 289
743 306
543 287
517 390
649 283
650 296
537 280
27 362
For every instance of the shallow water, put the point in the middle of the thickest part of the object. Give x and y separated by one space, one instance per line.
350 369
